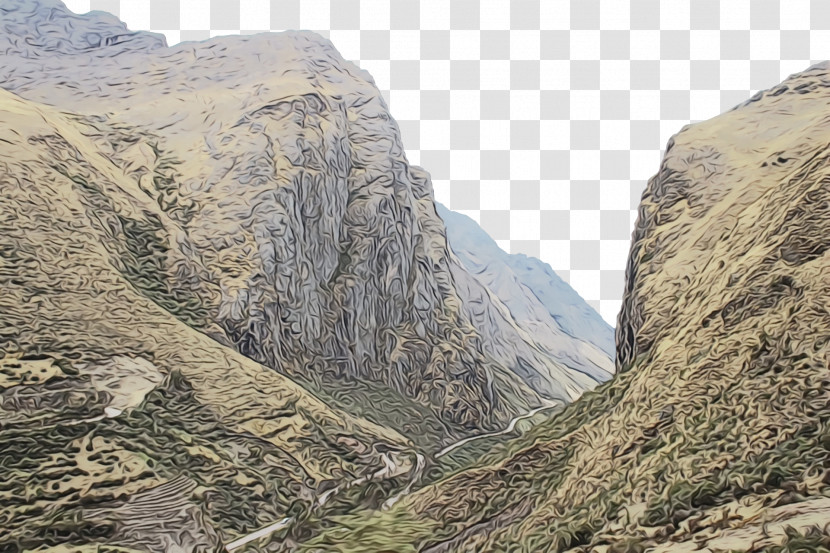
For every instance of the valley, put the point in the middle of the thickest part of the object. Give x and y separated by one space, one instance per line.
235 319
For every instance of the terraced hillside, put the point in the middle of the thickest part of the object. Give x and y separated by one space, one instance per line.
715 433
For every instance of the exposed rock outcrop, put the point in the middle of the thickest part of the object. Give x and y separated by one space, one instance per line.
45 28
225 292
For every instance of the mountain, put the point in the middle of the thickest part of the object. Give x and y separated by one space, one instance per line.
227 298
714 435
310 244
573 315
290 216
550 314
106 396
35 29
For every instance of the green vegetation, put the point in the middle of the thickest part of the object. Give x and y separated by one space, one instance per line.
787 466
146 256
539 462
382 405
245 482
484 451
813 541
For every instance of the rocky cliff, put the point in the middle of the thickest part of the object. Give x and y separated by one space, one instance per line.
715 433
113 412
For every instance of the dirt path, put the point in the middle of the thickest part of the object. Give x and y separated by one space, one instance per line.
390 469
507 430
261 533
420 462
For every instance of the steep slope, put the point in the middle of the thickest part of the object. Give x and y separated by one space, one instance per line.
305 240
556 319
119 423
227 297
715 434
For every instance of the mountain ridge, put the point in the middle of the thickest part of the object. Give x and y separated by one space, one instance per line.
49 27
571 313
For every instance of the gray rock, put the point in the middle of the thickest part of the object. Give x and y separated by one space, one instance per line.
38 28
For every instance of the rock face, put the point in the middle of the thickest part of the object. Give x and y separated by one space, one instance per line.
714 434
37 28
291 226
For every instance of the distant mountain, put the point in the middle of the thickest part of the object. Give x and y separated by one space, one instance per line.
570 311
556 319
714 435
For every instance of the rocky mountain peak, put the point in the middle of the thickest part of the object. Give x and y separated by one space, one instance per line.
37 28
